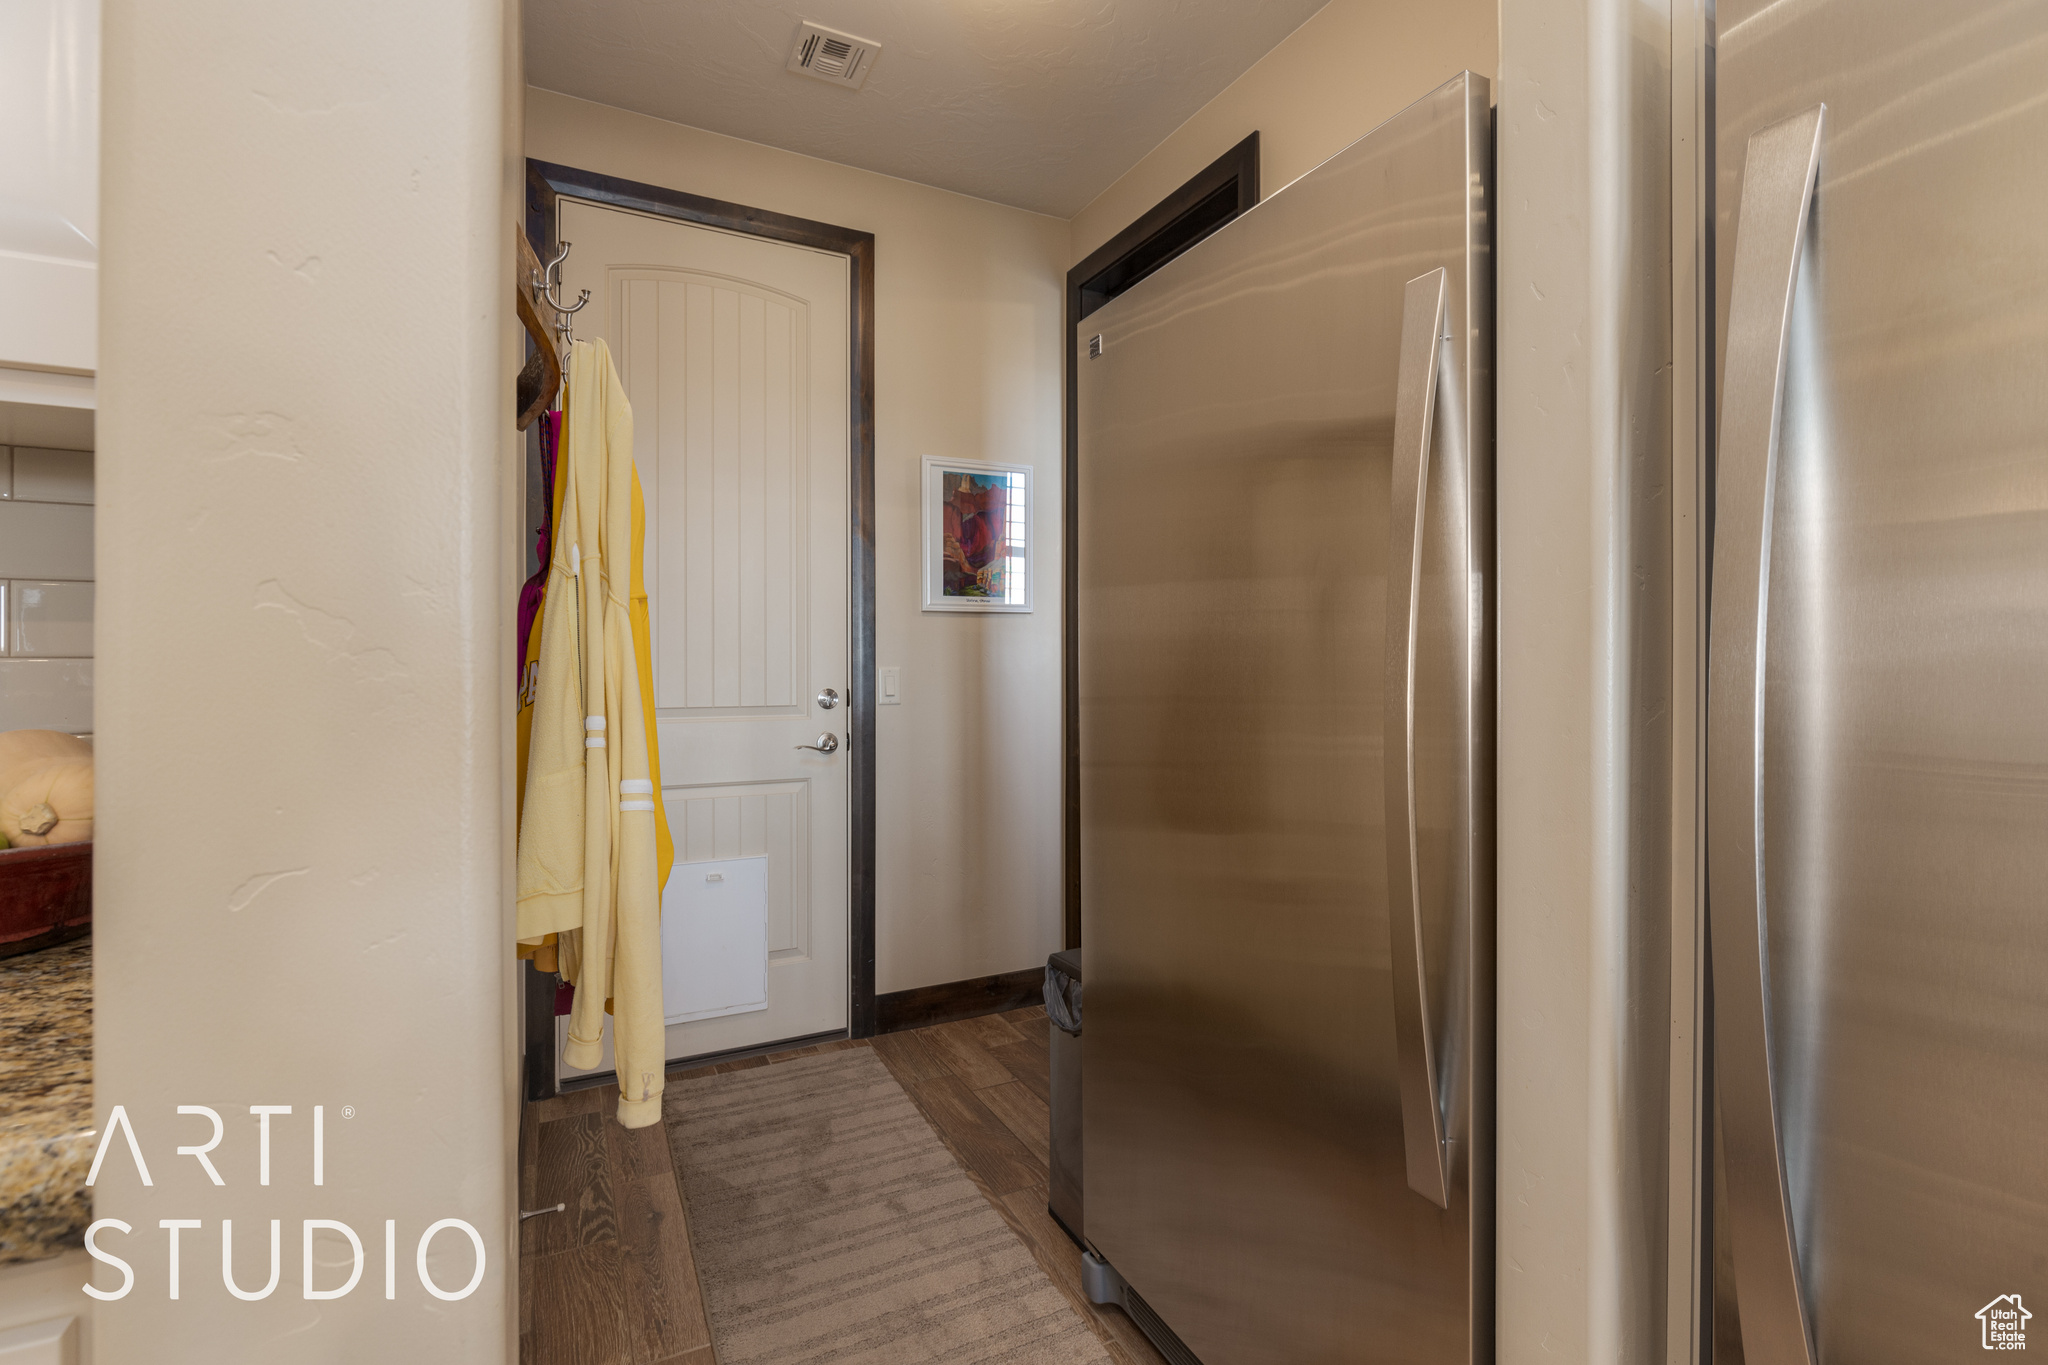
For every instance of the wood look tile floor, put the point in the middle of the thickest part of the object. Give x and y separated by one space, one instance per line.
611 1280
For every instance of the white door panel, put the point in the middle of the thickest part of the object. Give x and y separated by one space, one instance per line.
714 940
733 351
728 582
766 820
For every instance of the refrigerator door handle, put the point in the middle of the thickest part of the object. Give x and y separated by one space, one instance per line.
1422 1122
1780 170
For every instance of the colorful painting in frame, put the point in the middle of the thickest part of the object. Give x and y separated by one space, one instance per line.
977 532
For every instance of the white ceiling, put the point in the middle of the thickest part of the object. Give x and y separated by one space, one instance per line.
1037 103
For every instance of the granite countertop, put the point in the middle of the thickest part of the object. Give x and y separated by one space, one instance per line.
45 1101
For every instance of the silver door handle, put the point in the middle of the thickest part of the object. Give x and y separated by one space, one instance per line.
1779 171
1422 1115
827 744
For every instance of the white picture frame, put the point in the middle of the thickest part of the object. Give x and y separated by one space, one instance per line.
999 556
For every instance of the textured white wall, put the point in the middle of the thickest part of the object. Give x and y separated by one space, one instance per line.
967 322
304 570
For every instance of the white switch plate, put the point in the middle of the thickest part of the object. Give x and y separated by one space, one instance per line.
891 689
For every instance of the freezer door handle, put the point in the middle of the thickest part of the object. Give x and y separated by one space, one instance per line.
1422 1115
1779 172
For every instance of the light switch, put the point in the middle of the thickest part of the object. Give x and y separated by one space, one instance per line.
892 688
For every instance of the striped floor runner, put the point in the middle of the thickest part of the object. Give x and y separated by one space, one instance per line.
831 1225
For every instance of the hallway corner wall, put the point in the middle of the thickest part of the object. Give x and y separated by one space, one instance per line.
304 673
511 576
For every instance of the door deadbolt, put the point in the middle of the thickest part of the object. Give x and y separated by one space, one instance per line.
827 699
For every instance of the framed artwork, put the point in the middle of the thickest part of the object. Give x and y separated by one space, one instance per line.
977 533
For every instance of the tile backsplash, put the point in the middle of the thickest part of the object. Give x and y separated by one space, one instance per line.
46 589
52 475
49 620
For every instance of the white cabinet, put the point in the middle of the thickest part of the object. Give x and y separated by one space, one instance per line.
44 1343
49 183
44 1318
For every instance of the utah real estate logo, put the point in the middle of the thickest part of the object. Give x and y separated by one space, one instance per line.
2005 1323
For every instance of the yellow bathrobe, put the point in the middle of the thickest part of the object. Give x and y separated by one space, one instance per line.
591 829
543 950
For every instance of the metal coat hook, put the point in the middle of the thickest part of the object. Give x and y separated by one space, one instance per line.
550 284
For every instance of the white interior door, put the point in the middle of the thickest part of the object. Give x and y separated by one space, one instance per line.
733 351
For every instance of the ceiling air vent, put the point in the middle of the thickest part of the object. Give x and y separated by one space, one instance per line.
831 56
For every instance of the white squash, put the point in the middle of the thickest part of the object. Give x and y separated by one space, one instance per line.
21 747
49 801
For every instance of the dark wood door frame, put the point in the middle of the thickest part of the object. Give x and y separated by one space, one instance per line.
546 183
1217 193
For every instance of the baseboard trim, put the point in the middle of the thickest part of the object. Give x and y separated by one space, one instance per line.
740 1054
915 1008
676 1065
943 1003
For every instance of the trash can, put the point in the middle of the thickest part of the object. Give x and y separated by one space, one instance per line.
1063 1013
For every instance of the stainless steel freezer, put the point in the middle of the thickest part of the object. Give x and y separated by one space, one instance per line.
1285 712
1878 685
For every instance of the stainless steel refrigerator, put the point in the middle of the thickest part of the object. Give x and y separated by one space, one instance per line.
1285 709
1878 682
